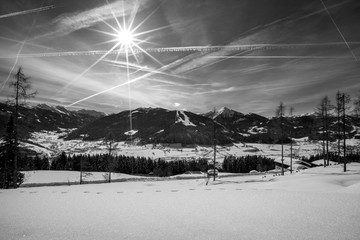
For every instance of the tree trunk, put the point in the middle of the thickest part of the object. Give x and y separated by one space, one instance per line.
291 155
80 170
344 133
110 161
282 146
323 136
327 135
214 152
338 131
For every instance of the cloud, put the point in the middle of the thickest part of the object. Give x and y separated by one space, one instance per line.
68 23
276 31
215 91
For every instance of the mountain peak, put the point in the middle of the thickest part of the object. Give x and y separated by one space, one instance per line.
44 106
225 112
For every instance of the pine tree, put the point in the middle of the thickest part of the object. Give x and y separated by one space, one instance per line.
21 87
8 149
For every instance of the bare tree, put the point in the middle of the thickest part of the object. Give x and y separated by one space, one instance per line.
345 100
357 106
279 113
338 109
21 87
110 142
323 110
291 112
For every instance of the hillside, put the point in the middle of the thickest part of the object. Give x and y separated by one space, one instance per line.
154 125
44 117
157 125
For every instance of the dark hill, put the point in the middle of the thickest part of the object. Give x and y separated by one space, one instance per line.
44 117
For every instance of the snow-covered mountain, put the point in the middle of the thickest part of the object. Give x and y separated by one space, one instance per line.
223 112
44 117
158 125
155 125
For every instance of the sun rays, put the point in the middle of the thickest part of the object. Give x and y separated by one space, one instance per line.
126 40
148 53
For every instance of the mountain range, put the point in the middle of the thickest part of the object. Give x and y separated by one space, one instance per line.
44 117
158 125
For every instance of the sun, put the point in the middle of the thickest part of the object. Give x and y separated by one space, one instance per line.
125 38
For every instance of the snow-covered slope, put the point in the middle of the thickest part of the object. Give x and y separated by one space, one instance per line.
44 117
308 205
154 125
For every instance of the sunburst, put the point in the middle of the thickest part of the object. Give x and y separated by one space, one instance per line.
127 42
125 37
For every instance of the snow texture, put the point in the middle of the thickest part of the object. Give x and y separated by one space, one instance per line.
183 118
318 203
131 132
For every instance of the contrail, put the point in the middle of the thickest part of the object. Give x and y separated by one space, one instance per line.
139 68
23 42
280 57
338 29
26 43
12 69
178 49
109 89
117 86
27 11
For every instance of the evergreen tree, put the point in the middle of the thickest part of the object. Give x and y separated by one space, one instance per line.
21 87
9 174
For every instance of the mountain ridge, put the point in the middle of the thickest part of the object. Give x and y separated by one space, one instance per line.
159 125
44 117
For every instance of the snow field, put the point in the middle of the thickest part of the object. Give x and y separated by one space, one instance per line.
43 177
309 205
53 145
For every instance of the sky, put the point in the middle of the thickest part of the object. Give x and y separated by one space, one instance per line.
193 55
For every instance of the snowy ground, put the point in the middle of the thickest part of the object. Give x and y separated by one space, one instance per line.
317 203
44 177
57 178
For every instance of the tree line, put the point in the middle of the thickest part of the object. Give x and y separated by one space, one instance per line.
245 164
334 157
126 164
